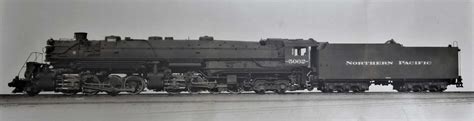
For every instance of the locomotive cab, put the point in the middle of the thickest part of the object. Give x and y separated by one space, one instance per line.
298 52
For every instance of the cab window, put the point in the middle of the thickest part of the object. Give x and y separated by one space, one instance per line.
299 51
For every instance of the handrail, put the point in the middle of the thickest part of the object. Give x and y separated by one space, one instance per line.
35 60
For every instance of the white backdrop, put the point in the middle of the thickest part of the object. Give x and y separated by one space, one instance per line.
27 24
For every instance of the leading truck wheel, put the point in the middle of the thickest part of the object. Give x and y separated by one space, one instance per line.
136 84
32 90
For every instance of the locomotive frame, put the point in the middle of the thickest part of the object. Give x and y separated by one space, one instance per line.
130 65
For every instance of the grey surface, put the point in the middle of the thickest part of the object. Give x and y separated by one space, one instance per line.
452 106
25 25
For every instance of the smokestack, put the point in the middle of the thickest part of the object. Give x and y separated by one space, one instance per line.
80 36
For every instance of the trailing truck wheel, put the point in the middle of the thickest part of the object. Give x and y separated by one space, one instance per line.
341 89
434 88
260 91
135 83
282 89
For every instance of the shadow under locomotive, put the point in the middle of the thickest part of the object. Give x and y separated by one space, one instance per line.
130 65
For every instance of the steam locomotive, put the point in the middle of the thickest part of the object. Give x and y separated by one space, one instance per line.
116 65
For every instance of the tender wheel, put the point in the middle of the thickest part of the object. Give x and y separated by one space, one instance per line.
135 83
341 89
355 89
434 88
401 88
417 89
441 89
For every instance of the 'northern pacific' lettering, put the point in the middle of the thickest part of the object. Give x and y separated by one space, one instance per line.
387 63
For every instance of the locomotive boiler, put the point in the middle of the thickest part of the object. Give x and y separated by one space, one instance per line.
114 65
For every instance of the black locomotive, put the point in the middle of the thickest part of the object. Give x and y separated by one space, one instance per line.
115 65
